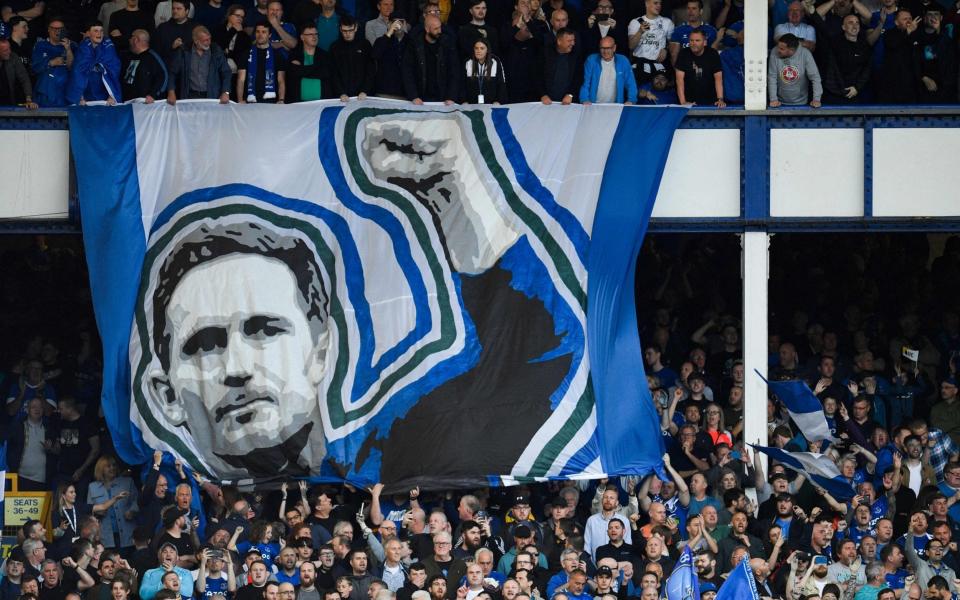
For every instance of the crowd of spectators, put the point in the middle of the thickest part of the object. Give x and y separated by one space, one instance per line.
55 53
847 314
843 52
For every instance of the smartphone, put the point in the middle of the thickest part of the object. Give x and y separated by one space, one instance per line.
735 455
820 560
481 515
362 506
602 18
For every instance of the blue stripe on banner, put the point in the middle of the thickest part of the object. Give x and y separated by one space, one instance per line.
532 185
111 195
839 488
625 411
781 457
367 373
797 396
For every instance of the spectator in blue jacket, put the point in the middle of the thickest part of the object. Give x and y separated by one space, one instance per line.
51 61
607 77
96 69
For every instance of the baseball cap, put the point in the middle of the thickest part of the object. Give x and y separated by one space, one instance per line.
604 571
950 381
522 531
521 499
161 547
253 550
170 517
707 587
558 503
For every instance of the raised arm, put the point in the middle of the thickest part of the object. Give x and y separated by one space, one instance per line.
683 491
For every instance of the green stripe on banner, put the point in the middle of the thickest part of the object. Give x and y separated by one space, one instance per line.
336 311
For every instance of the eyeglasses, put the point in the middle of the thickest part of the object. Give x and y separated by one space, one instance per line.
309 34
606 47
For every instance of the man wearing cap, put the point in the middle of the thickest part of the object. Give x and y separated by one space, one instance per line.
595 532
520 515
708 591
553 536
168 555
944 415
523 537
603 580
174 524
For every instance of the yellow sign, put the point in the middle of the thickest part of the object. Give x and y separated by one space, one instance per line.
20 507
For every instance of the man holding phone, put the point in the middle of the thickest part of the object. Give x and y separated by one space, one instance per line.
211 579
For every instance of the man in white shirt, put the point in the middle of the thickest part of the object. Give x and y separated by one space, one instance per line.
648 35
796 26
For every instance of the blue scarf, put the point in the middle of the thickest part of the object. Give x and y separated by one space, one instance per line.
269 75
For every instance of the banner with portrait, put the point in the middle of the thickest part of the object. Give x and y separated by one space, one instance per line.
373 291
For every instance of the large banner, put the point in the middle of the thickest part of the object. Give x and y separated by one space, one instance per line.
373 291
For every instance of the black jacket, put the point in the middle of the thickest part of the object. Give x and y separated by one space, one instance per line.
848 65
18 81
562 75
143 75
415 70
352 67
388 53
218 78
297 70
898 76
493 85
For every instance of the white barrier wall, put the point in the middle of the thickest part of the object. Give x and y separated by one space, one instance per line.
35 171
813 173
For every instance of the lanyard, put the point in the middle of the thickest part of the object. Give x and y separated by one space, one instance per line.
71 522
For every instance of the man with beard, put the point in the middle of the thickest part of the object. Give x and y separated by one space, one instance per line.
788 517
430 66
308 579
738 536
595 533
848 568
471 540
706 564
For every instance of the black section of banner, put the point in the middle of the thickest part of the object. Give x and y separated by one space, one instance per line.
505 397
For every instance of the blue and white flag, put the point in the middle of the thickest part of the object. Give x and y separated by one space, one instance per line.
818 468
373 291
683 583
805 409
740 584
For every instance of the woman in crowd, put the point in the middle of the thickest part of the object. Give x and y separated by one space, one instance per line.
484 79
116 497
234 41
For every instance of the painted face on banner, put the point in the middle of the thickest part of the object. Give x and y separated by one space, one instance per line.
244 367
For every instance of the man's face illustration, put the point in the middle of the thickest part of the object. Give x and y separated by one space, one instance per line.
243 363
